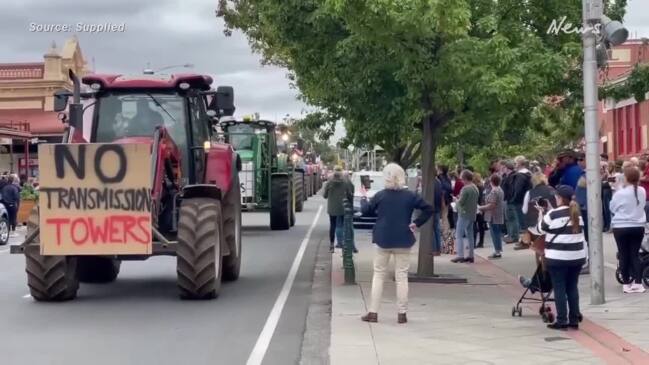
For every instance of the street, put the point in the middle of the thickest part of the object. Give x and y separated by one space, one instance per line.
139 318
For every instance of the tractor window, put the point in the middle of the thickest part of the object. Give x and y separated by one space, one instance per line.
241 136
137 115
200 125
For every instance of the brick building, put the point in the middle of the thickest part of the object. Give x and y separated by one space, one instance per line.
26 105
624 124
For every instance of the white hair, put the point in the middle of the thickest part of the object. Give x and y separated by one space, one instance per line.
395 177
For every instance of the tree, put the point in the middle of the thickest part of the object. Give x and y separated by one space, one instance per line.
396 71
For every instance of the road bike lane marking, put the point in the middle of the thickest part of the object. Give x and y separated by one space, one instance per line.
263 341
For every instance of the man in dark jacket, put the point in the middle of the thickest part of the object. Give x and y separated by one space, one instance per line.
511 219
522 183
11 198
447 195
335 191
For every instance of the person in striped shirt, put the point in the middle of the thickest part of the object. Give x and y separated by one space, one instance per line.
565 254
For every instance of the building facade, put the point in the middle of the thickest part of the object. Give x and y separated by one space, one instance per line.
624 124
27 114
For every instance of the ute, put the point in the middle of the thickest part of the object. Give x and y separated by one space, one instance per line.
269 179
136 176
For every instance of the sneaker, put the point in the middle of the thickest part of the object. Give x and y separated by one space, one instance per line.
627 288
494 256
637 288
457 260
469 260
525 282
355 250
557 326
331 249
521 246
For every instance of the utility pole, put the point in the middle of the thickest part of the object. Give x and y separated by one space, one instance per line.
597 28
594 190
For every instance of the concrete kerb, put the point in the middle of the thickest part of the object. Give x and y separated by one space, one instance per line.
317 333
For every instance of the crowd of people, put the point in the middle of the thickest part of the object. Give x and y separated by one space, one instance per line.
521 202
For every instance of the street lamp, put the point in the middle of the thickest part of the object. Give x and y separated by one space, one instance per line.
149 71
611 33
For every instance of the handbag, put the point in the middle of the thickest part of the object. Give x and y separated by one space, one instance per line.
538 244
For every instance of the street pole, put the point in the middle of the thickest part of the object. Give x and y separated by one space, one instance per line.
594 187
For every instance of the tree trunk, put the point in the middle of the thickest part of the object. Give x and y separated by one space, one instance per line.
425 265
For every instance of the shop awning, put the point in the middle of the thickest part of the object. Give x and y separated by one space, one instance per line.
41 123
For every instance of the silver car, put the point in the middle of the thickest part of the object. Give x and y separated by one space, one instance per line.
4 225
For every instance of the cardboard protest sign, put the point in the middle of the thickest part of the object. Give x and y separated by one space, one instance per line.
95 199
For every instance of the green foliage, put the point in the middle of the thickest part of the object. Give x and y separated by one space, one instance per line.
636 85
386 66
28 192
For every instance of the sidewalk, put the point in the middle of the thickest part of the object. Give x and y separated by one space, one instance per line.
472 323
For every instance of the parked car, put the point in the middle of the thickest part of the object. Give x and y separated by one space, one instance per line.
4 225
366 183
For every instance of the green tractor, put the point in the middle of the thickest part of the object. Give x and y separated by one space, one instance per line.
268 177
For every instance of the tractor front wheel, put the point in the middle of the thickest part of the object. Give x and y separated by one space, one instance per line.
50 278
199 258
280 205
232 231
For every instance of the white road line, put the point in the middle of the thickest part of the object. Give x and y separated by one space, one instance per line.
259 351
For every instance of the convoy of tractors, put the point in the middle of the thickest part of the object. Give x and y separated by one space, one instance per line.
157 165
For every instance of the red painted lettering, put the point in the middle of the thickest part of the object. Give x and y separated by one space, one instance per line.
98 233
113 230
58 222
73 229
144 223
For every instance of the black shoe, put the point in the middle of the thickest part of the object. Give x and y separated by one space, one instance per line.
331 249
479 246
355 250
469 260
573 326
457 260
494 256
557 326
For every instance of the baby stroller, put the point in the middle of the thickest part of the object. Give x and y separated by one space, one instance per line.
540 283
644 261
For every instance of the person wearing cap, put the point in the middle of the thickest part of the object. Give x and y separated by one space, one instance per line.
628 209
564 255
568 169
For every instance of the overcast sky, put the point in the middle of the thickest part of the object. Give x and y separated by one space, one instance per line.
169 32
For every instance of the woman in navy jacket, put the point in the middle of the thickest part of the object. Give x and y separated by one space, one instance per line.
394 235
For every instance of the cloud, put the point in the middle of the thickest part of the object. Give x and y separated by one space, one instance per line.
159 33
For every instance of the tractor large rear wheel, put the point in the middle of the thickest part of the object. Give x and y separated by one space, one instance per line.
307 186
199 258
232 231
92 269
298 185
280 205
50 278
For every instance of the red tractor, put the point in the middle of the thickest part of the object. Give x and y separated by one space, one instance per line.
192 191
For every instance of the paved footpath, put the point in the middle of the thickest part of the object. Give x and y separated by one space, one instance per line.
472 323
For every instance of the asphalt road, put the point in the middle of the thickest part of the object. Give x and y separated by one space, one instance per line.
139 319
